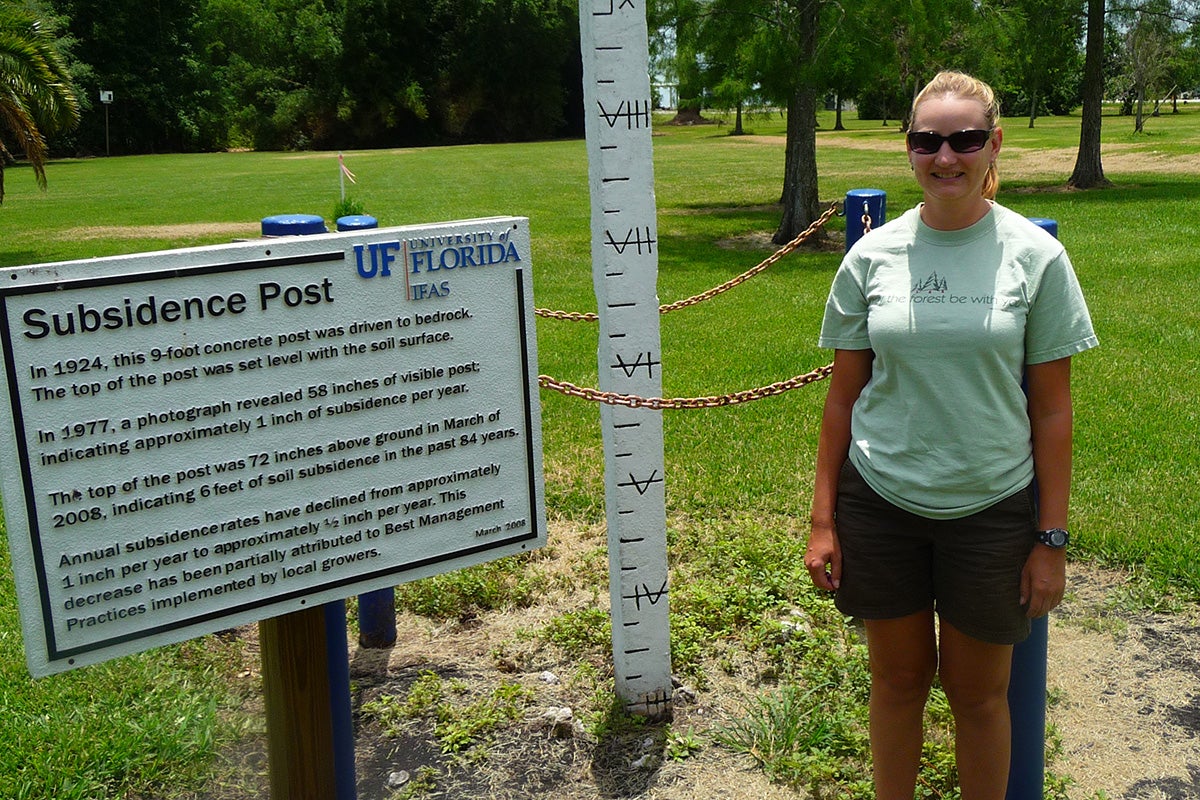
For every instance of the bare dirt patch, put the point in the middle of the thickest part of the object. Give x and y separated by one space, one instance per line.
1124 698
183 231
1016 162
1125 691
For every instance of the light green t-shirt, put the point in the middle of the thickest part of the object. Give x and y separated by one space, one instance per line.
942 427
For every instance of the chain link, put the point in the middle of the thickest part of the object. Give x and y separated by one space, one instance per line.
711 401
803 236
576 316
866 218
659 403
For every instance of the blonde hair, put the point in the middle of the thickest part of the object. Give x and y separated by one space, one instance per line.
959 84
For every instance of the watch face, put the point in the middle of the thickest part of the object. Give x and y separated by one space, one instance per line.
1055 538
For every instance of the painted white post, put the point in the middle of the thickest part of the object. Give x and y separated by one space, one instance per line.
616 90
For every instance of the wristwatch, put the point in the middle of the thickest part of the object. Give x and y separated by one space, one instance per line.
1055 537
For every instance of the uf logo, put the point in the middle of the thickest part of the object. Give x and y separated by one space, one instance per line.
381 256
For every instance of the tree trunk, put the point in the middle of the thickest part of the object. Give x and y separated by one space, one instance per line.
737 125
837 114
1033 103
1089 172
801 205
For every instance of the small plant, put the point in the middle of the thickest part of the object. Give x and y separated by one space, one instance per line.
682 746
803 742
497 585
421 784
348 207
1056 786
579 632
457 727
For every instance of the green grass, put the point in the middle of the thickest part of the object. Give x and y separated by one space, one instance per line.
128 725
738 478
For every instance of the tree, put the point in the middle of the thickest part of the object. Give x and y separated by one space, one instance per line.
146 54
675 48
275 69
852 58
502 77
801 202
432 71
1042 51
931 35
36 96
1149 45
1089 172
728 73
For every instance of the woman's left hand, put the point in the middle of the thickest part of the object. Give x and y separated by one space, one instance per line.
1043 580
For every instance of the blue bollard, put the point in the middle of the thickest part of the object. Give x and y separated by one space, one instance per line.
377 609
337 651
872 202
1027 707
1048 225
377 619
1027 689
337 655
293 225
356 222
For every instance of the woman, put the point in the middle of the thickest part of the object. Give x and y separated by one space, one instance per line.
924 513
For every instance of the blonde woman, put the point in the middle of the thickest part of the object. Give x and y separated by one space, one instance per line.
924 519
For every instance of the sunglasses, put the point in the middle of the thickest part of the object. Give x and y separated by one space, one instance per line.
927 142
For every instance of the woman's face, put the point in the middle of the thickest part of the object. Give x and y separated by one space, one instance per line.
947 176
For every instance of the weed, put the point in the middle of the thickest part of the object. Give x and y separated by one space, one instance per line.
348 207
457 728
503 584
802 740
460 728
1055 786
682 746
577 632
421 784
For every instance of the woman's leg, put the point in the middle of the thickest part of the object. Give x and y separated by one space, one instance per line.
903 658
974 675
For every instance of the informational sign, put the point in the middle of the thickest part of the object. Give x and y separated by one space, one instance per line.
201 438
617 103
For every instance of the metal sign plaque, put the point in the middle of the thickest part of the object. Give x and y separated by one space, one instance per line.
201 438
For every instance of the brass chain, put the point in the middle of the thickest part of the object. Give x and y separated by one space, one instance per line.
658 403
711 401
576 316
803 236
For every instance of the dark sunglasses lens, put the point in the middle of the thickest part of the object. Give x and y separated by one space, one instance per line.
927 143
924 142
968 141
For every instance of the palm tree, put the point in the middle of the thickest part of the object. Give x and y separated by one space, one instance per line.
36 96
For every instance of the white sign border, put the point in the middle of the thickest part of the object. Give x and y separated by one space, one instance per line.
42 655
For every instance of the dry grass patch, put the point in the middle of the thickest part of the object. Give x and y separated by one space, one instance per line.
182 231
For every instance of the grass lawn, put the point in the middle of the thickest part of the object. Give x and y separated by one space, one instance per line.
738 478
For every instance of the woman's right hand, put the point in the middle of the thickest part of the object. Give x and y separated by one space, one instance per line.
823 557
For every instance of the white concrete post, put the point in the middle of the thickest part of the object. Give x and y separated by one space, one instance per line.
617 105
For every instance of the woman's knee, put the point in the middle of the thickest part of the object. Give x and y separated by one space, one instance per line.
903 682
974 674
903 656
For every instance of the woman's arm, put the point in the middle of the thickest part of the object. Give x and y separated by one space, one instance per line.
851 371
1043 580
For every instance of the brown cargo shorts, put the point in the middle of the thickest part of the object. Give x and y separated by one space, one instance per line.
896 563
